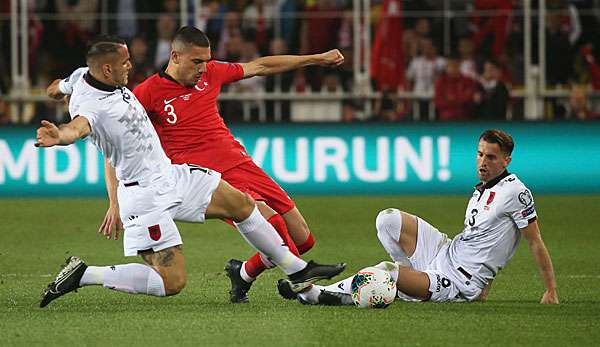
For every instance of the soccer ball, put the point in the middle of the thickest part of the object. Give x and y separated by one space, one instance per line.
373 288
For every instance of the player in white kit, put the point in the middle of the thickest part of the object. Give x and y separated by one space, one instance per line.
152 192
430 266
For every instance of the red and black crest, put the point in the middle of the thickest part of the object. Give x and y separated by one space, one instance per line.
490 198
154 232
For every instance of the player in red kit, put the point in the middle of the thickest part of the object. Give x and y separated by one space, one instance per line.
181 101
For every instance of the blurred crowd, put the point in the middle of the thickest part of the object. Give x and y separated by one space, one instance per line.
471 72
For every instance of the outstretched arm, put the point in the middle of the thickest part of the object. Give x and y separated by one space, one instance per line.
544 263
49 134
281 63
53 90
112 217
61 87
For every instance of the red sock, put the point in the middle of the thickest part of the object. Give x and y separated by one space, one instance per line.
255 266
307 245
279 224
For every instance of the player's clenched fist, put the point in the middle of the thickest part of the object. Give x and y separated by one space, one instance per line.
47 135
332 58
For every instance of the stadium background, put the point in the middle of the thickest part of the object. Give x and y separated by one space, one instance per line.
379 130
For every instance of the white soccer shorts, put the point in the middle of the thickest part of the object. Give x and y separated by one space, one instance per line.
431 257
148 208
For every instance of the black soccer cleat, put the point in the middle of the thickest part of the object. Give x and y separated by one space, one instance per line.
315 272
239 287
328 298
66 281
299 281
288 290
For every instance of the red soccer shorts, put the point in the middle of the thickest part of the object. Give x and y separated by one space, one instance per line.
251 179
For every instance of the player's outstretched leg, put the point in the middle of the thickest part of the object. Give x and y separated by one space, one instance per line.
304 279
330 295
263 237
243 274
328 298
228 202
336 294
301 275
131 278
66 281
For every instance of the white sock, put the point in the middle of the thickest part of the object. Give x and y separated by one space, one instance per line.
244 275
262 236
312 294
130 278
92 275
343 286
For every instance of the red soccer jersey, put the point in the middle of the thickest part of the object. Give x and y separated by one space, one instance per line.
187 120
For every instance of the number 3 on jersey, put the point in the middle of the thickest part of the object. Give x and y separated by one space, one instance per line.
172 116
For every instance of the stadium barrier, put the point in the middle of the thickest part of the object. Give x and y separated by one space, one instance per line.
326 159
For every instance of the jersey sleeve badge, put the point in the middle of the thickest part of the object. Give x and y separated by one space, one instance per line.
526 200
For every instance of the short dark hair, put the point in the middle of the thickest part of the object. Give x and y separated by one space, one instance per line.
503 139
102 45
190 35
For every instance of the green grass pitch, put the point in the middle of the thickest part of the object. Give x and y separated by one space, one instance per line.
36 235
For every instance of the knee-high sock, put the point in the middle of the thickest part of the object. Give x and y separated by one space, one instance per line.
258 262
345 285
129 278
312 295
307 245
262 236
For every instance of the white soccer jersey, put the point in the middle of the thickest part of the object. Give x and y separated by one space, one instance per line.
496 212
121 130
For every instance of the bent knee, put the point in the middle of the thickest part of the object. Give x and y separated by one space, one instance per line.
175 284
244 208
392 235
265 209
174 280
389 224
239 206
